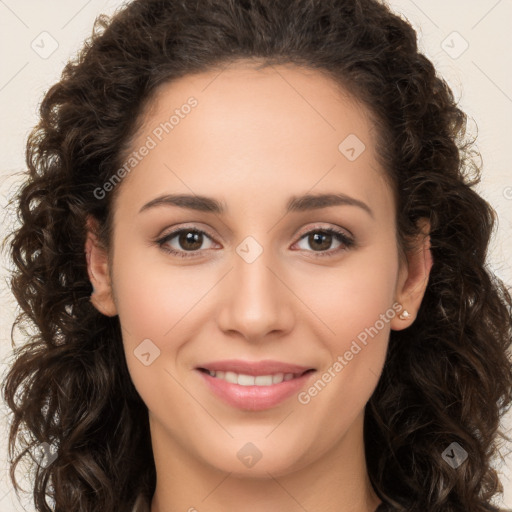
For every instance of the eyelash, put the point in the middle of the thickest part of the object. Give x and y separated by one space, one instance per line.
345 240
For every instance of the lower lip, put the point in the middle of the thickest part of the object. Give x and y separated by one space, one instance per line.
255 398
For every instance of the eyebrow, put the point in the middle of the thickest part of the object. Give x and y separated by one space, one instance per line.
295 203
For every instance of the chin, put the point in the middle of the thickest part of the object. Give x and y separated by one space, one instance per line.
257 460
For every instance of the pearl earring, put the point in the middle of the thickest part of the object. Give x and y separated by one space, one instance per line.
404 315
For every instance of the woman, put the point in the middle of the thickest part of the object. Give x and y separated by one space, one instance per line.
251 248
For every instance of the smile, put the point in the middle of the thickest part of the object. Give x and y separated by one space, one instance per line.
254 392
251 380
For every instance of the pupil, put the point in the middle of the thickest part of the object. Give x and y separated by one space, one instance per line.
190 237
326 237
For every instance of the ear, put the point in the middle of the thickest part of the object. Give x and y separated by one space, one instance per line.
98 270
413 277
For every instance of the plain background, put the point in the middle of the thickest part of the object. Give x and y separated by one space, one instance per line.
469 42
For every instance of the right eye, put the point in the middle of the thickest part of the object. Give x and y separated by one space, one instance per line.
188 240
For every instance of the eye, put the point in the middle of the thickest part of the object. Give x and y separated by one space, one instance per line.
188 240
321 239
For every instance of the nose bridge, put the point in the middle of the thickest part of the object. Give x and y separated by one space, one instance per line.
257 303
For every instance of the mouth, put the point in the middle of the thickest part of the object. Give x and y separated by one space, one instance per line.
254 380
253 393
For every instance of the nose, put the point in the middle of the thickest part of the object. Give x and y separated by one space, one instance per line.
256 302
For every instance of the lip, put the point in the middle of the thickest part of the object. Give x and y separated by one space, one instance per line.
255 398
254 368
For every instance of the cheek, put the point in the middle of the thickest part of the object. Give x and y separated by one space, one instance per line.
351 296
153 297
355 306
155 304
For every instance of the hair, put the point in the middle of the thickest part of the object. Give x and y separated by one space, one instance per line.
446 379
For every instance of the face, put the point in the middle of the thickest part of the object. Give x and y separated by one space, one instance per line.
255 272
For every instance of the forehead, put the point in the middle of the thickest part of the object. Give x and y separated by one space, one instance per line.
246 94
275 128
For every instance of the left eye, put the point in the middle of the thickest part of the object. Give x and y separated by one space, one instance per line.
323 238
191 241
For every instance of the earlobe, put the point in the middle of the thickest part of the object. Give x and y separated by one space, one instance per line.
414 278
98 271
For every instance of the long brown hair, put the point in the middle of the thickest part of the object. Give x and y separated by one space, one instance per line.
447 378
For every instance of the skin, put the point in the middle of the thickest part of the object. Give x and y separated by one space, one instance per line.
256 138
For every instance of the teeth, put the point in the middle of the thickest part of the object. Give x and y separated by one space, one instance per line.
251 380
279 377
230 377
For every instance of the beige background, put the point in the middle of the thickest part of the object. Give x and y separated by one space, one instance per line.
37 38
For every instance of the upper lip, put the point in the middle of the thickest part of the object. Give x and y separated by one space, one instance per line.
255 368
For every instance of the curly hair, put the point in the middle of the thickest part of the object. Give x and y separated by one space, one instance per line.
447 378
